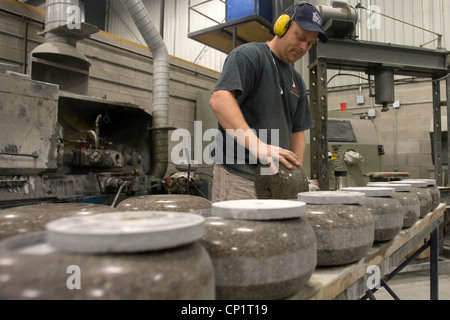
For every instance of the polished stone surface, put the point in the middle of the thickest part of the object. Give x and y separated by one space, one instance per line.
386 210
435 192
165 202
260 260
431 186
286 184
345 232
32 269
419 187
331 197
122 232
255 209
408 200
33 218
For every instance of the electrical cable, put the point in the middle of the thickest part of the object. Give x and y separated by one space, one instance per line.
359 6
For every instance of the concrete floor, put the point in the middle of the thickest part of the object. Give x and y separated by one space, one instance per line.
414 283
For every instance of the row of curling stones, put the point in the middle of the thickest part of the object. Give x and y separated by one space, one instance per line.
344 228
121 255
420 188
408 200
386 211
261 249
431 186
33 218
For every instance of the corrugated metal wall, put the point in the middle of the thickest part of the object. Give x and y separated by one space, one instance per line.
179 21
176 28
423 14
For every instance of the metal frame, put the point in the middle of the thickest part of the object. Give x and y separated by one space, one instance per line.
368 57
433 244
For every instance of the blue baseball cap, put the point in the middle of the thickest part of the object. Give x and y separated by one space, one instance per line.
307 17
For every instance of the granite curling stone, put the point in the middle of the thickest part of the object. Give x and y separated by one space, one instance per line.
165 202
175 270
433 189
261 249
286 184
409 201
419 187
345 229
33 218
386 211
435 193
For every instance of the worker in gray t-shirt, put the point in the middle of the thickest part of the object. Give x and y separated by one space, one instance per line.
261 105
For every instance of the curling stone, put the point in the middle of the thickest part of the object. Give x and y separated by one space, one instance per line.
344 228
120 256
386 211
261 249
286 184
33 218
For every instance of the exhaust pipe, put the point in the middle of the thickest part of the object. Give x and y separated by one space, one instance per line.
57 60
160 111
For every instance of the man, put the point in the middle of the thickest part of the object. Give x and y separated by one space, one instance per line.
261 105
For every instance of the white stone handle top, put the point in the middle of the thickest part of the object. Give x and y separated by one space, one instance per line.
261 209
125 232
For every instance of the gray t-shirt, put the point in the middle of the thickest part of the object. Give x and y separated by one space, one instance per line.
258 77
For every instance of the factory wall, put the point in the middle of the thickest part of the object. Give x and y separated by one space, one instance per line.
404 132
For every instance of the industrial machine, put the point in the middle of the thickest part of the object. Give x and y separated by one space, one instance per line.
353 151
58 144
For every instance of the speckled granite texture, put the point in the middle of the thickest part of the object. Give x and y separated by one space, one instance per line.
408 200
387 213
425 200
33 218
411 207
35 270
256 260
286 184
344 232
435 196
165 202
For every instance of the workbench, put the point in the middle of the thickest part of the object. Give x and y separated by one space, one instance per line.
352 281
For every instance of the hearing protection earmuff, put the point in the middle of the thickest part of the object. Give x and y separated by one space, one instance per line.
282 24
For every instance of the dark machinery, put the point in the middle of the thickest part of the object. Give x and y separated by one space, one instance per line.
58 144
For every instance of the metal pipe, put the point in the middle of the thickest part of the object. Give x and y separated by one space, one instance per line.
160 110
122 185
56 15
434 264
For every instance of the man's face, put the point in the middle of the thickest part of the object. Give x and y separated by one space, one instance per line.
296 43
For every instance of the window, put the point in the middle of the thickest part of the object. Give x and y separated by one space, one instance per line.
95 12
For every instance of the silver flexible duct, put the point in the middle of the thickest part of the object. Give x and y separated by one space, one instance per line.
160 111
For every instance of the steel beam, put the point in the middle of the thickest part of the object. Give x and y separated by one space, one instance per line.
319 134
437 136
343 54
